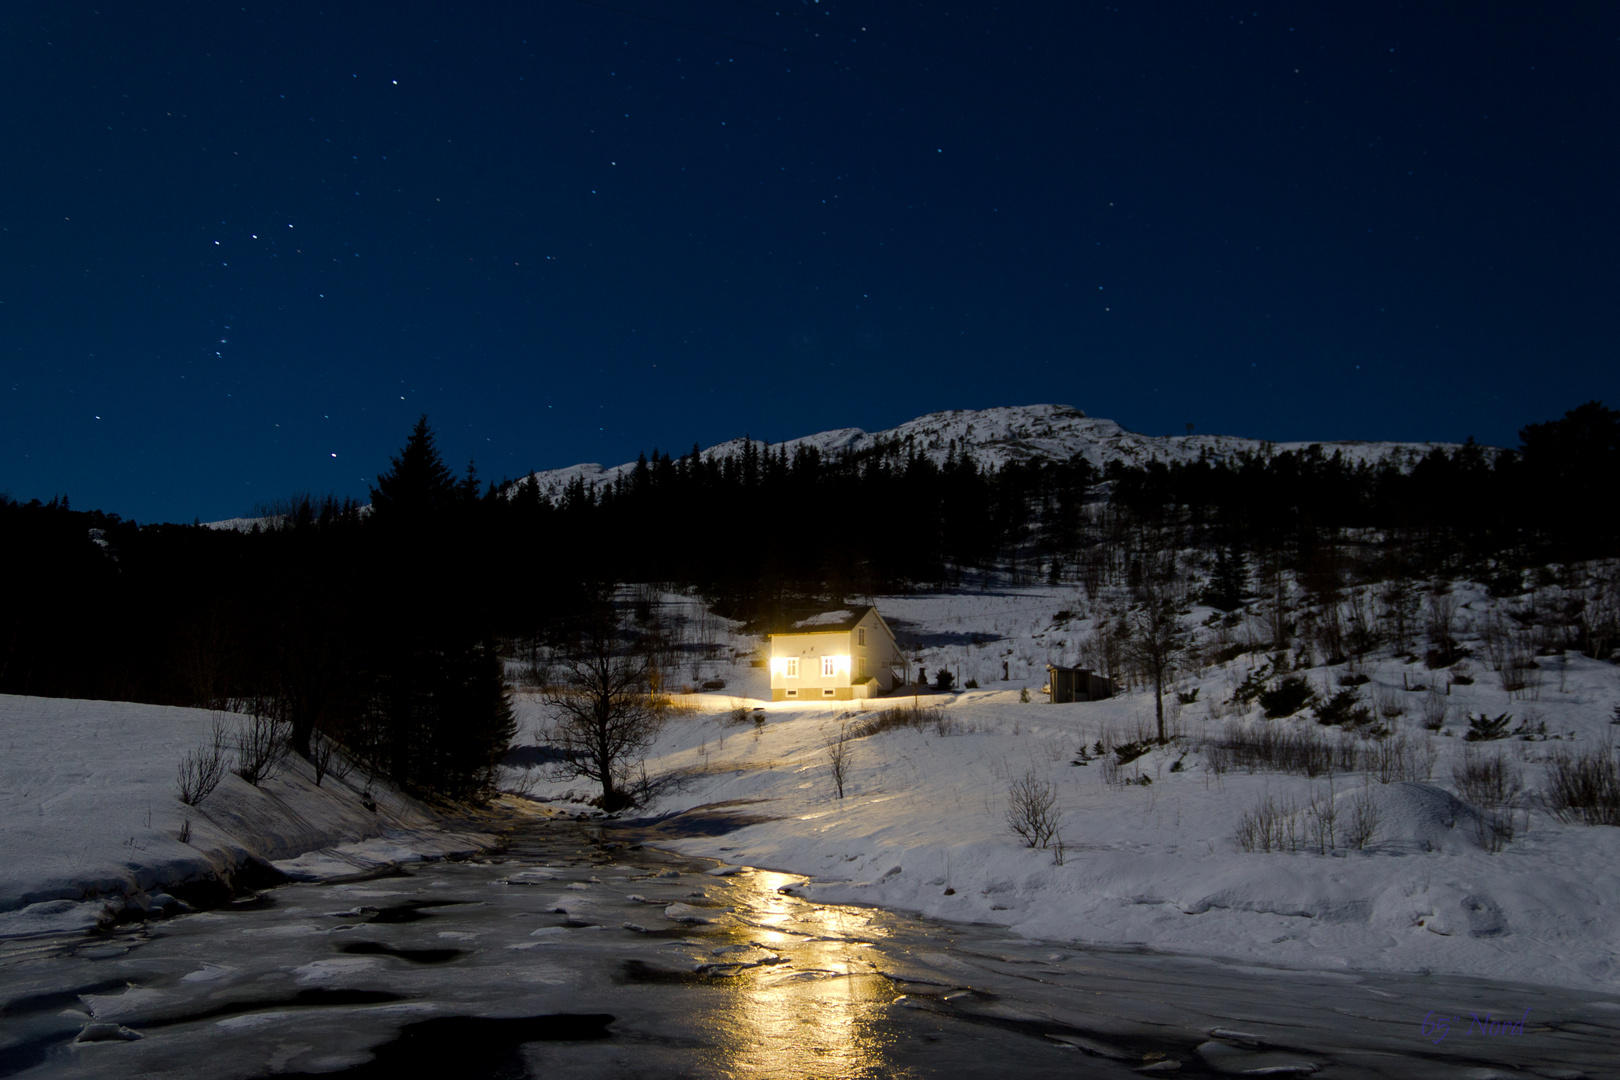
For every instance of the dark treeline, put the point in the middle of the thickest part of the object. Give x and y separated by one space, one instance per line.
382 628
757 529
377 630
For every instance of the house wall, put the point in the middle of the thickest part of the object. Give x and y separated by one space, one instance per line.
880 651
810 683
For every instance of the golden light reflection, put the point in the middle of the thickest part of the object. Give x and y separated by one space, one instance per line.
821 1013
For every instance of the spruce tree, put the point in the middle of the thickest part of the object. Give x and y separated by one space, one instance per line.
1228 581
439 717
418 487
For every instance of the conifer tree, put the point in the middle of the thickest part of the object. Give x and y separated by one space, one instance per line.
1228 580
418 486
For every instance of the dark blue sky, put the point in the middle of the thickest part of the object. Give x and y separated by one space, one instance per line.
244 246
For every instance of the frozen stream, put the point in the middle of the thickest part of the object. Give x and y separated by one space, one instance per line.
565 956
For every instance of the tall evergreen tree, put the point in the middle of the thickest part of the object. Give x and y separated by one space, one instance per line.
1228 581
418 486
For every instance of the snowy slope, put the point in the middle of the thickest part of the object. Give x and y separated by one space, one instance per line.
90 823
922 825
1012 433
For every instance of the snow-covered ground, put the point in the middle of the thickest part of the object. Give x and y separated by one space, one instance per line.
1013 433
90 821
923 825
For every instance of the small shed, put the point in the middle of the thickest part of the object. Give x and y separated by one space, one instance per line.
1065 684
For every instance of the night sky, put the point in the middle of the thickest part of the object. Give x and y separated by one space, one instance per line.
245 246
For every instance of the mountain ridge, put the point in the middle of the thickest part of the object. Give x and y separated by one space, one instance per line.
1003 434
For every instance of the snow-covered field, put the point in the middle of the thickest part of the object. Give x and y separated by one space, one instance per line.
90 821
923 825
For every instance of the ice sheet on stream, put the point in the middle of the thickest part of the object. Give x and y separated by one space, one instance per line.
321 973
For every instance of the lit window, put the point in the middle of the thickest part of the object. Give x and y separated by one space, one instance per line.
829 667
860 636
790 667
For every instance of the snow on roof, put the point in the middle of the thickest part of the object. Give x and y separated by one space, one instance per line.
830 621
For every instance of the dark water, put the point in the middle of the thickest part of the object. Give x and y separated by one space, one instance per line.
564 956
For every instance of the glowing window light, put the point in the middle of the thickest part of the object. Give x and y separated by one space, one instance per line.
834 665
785 666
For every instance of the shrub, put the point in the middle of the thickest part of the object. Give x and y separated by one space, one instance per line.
971 684
1387 700
1032 810
1281 825
1483 728
1129 752
1395 759
1344 708
1584 787
1304 752
1494 829
202 769
261 748
1321 818
901 716
1354 678
1361 825
1434 709
1110 770
1487 781
1289 696
1187 697
943 679
1272 825
1252 686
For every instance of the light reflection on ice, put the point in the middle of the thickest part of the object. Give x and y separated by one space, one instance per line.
776 987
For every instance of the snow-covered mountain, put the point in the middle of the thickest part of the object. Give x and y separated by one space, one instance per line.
1014 433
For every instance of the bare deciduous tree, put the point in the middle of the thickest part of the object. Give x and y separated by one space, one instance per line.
838 755
202 769
1032 810
261 746
1156 637
605 716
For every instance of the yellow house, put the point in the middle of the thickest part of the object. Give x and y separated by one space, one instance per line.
837 655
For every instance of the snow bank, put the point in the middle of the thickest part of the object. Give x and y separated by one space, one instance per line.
90 821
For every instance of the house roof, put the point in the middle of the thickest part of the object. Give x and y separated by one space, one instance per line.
832 622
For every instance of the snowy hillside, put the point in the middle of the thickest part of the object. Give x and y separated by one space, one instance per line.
1014 433
91 828
1154 849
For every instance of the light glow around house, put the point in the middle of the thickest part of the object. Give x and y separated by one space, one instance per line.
783 666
